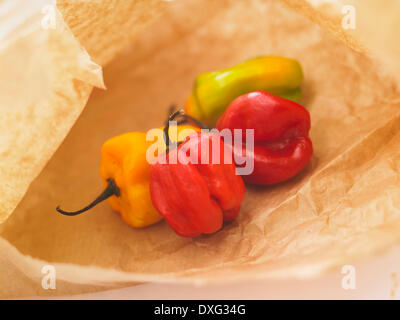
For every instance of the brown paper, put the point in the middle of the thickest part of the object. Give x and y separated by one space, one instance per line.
375 31
344 206
104 28
46 78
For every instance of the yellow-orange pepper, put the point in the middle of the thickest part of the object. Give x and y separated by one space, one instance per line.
126 172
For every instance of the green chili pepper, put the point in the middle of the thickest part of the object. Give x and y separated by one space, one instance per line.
213 91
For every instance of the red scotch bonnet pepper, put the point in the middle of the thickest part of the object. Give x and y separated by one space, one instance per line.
282 146
196 196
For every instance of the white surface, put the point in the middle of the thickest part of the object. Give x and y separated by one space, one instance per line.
378 278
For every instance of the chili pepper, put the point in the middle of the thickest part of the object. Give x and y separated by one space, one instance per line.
196 196
125 170
282 146
213 91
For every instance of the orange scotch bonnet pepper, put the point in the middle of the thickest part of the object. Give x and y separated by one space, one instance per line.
126 173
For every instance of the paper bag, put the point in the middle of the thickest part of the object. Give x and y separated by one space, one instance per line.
342 207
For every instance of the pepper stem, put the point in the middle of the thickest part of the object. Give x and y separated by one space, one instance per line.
110 190
172 108
186 117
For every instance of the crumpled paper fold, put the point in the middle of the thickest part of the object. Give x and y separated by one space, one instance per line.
343 207
46 78
368 26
